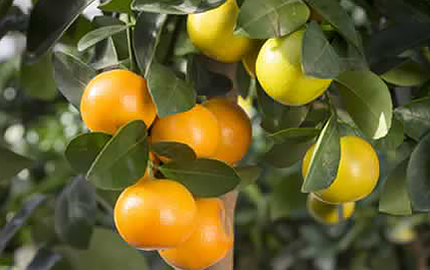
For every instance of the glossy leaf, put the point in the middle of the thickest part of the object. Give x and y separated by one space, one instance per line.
11 163
44 259
332 11
99 34
248 175
173 150
38 80
271 18
418 172
394 138
71 76
121 6
83 150
319 57
106 56
350 57
146 38
294 134
368 101
203 177
278 158
48 20
324 162
394 197
407 74
175 6
171 95
19 219
415 117
120 39
123 159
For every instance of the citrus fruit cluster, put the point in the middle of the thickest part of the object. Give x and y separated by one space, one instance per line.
162 214
276 62
357 176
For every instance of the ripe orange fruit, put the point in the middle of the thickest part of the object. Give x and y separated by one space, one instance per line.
154 214
357 175
114 98
236 130
329 213
198 128
209 243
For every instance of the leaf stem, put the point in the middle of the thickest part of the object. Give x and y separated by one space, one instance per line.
133 65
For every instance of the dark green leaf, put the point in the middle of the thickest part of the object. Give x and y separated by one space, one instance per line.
79 28
248 175
415 117
394 197
243 81
83 150
171 95
332 11
48 20
175 6
72 76
120 39
203 177
287 153
123 159
19 219
146 38
121 6
4 7
106 55
394 138
75 213
11 163
294 134
324 162
99 34
418 174
368 101
407 74
404 10
319 57
350 57
271 18
44 259
173 150
38 80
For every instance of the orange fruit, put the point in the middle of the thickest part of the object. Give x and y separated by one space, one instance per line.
154 214
357 175
327 213
114 98
236 130
209 243
198 128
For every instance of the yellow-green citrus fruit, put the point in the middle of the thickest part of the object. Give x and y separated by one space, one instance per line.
327 213
357 175
279 71
212 33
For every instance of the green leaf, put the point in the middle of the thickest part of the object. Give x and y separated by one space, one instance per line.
107 56
243 81
175 7
203 177
83 150
271 18
404 10
248 175
72 76
44 259
324 162
121 6
38 80
146 38
294 134
75 213
394 197
173 150
332 11
394 138
319 57
415 117
278 158
171 95
120 39
79 28
368 101
350 57
99 34
407 74
111 251
48 21
4 7
418 173
123 159
11 163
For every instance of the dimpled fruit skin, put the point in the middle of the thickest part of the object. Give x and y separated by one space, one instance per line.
212 33
328 213
114 98
236 131
198 128
154 214
357 175
279 71
208 244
